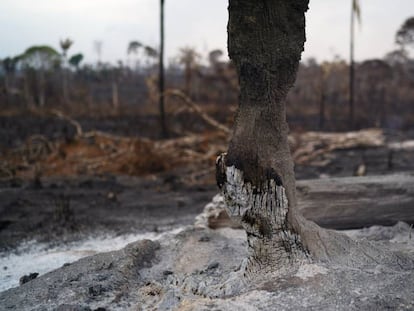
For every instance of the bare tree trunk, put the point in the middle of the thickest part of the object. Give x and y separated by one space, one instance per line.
65 86
26 88
256 176
7 88
266 39
161 88
351 71
41 86
115 96
322 109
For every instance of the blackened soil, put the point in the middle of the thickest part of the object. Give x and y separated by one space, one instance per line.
57 210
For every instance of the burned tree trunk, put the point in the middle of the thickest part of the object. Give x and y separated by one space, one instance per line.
265 42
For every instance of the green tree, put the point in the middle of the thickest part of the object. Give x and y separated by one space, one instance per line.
75 60
39 60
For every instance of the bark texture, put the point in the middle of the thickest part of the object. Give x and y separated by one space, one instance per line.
272 242
265 42
339 203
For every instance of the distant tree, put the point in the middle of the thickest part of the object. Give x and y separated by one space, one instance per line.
134 48
396 57
9 66
115 77
374 77
214 57
150 52
152 57
405 35
189 58
355 13
325 69
75 60
40 57
65 46
161 75
39 60
97 47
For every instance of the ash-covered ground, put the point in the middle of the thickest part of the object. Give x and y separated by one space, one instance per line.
49 221
188 271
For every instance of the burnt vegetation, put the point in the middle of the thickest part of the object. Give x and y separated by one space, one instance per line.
60 115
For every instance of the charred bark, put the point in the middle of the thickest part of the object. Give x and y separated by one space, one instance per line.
265 42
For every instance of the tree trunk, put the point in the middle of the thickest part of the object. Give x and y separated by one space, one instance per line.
256 176
322 110
26 87
6 88
161 88
351 71
65 86
41 86
115 96
266 39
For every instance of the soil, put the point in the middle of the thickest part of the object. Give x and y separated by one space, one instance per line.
184 271
62 209
58 210
200 269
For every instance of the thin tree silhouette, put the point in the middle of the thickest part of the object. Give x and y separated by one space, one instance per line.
355 13
65 46
161 87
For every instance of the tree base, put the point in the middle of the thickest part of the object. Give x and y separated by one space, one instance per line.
273 244
280 239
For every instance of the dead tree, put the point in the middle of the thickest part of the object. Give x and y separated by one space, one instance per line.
265 42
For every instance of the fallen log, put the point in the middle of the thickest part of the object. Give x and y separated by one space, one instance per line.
342 203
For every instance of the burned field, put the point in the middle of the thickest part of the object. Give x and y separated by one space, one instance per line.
61 182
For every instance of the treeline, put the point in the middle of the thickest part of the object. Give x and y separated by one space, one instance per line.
43 77
384 94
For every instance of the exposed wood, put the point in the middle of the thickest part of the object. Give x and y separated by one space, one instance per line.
263 214
76 124
344 203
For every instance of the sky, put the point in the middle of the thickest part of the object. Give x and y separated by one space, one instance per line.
195 23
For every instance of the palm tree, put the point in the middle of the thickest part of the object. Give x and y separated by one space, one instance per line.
355 12
65 46
133 48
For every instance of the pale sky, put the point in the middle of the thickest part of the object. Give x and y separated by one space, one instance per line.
195 23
